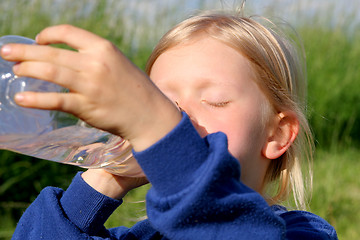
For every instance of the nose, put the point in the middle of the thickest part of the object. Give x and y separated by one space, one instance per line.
199 128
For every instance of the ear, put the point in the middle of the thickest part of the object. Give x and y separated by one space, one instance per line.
281 135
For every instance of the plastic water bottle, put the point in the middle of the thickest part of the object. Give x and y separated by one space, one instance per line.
54 135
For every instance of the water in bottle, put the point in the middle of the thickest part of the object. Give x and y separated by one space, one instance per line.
54 135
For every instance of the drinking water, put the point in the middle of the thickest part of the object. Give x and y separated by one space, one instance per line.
54 135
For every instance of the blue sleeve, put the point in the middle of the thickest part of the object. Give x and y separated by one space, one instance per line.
197 192
78 213
306 225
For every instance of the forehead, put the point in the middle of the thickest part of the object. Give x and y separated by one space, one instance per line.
204 58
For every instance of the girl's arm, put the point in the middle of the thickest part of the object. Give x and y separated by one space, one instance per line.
78 213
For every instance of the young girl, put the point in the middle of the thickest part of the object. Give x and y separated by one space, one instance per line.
218 127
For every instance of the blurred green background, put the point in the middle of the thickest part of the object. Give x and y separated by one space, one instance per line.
331 39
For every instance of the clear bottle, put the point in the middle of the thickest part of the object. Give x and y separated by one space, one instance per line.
54 135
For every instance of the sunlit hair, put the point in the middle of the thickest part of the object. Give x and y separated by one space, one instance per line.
280 74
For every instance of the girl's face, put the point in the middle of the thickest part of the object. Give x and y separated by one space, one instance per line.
214 85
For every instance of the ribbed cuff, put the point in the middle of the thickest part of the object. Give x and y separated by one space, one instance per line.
85 207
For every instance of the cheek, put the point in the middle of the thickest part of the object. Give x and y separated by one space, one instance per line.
246 140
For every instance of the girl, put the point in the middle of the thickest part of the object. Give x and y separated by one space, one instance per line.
219 125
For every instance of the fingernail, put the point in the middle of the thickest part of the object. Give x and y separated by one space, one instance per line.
5 50
19 97
37 38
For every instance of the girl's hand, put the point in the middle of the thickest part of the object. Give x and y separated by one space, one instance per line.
111 185
105 89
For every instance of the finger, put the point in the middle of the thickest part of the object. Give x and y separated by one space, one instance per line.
74 37
60 75
66 102
24 52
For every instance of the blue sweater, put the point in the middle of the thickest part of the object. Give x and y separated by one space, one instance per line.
195 194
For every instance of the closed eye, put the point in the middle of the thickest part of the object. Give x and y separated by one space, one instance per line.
217 104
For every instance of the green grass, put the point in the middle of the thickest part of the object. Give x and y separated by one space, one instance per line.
131 211
333 85
336 194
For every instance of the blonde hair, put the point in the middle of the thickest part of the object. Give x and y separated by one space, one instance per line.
280 74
